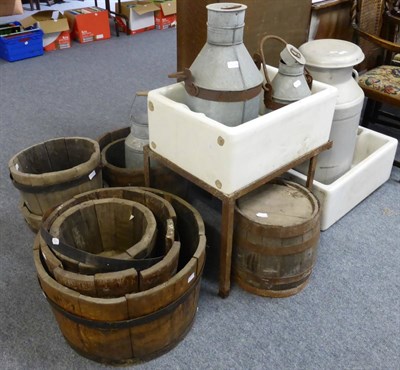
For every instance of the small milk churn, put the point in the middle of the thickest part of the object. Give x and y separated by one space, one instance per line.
139 135
223 82
331 61
290 83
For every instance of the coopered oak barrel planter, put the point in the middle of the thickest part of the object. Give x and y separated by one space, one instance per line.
276 239
51 172
133 326
115 173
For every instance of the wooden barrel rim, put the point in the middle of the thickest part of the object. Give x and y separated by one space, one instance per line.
111 136
146 242
113 167
277 231
48 178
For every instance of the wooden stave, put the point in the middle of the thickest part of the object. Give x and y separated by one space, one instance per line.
33 221
269 285
190 273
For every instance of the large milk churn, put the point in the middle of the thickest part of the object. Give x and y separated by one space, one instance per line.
332 61
223 82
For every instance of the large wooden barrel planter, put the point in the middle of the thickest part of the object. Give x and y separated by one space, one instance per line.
115 173
52 172
276 239
120 316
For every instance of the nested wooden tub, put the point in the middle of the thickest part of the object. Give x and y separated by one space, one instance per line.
115 173
140 324
51 172
276 239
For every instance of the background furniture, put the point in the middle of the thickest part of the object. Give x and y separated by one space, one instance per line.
376 28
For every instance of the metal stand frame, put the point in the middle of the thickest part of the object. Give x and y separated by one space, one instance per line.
229 200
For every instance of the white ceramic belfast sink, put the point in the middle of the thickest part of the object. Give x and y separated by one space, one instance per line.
230 158
371 167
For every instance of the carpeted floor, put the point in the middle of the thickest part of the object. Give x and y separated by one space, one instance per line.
348 316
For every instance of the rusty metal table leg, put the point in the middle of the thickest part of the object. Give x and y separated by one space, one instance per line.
227 222
311 172
146 165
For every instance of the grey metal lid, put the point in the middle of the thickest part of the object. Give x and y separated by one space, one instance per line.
331 53
226 7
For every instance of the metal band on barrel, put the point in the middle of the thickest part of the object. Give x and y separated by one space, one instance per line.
105 264
125 324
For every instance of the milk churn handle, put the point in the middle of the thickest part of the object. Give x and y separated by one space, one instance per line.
265 38
268 102
308 77
187 77
138 93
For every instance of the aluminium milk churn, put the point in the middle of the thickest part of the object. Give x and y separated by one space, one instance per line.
223 82
290 83
331 61
139 135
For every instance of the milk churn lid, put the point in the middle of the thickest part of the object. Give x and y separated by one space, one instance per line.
291 55
226 7
331 53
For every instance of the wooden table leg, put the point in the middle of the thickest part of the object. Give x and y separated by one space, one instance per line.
146 165
225 263
311 172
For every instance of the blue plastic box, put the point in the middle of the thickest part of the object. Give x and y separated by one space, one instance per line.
21 45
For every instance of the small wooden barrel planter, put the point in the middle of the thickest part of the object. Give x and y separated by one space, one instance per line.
138 325
112 146
52 172
276 239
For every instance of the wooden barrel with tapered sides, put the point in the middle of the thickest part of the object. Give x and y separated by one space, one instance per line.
51 172
276 237
139 325
112 146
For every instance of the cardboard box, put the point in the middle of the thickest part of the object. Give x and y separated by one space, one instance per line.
166 16
140 15
54 26
17 44
89 24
